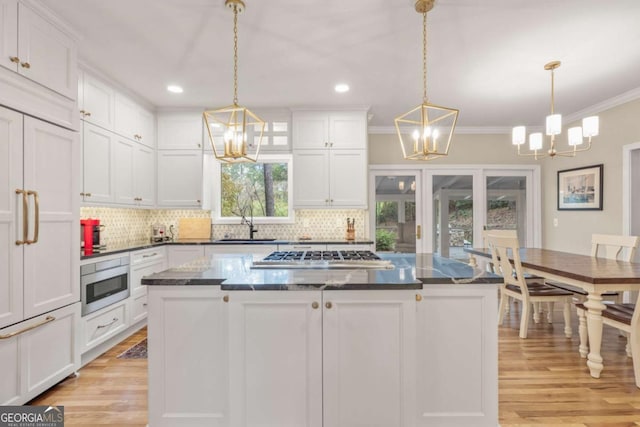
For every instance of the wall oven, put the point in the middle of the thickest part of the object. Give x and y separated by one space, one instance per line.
104 283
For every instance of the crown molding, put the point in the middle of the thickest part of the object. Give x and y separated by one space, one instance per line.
459 130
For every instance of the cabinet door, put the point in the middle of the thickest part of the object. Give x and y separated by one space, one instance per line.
178 255
348 130
310 129
10 360
44 364
180 131
144 175
146 127
8 33
311 178
52 160
124 171
51 55
185 191
362 332
275 363
97 102
188 373
457 382
126 116
348 175
97 159
11 224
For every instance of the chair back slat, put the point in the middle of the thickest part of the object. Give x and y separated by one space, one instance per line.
613 246
503 246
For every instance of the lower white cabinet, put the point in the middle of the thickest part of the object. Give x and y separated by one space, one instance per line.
103 324
181 254
38 353
143 263
258 251
457 355
188 357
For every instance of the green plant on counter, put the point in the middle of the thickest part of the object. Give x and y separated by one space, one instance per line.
385 240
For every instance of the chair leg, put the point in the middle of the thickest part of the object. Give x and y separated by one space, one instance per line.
524 319
501 307
627 348
537 308
508 306
550 312
583 348
566 311
634 339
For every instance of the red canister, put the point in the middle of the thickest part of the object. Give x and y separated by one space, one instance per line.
88 225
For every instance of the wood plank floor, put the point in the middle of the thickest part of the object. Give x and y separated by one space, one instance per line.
543 382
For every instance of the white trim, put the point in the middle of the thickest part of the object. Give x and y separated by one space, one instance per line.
459 130
627 186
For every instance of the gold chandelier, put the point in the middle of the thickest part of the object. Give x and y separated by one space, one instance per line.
234 131
425 132
575 135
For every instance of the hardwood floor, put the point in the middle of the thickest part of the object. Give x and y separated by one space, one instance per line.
543 382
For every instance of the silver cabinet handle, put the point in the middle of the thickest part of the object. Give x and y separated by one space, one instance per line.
46 320
115 319
149 255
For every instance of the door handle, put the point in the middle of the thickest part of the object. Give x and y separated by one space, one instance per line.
36 218
418 232
25 217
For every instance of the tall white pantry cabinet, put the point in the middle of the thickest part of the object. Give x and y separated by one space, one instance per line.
39 204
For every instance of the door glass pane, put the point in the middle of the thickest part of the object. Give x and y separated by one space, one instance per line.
396 213
507 205
452 215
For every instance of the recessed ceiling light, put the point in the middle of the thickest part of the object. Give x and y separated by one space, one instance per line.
175 89
342 88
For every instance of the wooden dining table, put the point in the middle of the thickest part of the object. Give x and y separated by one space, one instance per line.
594 275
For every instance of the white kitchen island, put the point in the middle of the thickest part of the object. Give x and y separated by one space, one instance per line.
231 346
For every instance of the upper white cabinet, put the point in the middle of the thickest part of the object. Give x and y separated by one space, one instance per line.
336 130
180 178
134 176
134 121
96 101
330 159
180 131
33 47
98 157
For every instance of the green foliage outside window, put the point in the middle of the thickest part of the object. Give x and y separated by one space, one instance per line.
254 189
385 240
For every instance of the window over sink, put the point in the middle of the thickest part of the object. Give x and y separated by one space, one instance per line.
261 190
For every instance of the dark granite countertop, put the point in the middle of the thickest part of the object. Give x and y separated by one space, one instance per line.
145 244
234 272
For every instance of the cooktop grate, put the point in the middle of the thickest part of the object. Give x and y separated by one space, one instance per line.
322 259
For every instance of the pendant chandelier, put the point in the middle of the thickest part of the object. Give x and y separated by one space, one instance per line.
575 135
234 131
425 132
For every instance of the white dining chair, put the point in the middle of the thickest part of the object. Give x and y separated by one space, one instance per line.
515 286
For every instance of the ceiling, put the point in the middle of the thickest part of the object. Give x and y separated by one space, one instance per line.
485 57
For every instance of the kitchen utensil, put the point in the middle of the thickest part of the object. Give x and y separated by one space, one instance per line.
194 228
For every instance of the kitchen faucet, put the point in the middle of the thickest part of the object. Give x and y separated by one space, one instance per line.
252 229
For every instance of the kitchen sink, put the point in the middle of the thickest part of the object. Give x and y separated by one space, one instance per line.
246 240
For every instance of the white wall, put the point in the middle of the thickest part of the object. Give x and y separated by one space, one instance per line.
618 126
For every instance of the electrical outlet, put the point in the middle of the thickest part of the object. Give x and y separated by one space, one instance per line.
555 222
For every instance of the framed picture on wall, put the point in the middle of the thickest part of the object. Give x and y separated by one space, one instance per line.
580 189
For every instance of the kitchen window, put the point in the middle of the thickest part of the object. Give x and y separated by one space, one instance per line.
262 190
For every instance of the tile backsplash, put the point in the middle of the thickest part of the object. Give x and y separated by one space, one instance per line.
122 225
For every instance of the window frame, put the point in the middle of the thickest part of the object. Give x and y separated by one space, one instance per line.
216 215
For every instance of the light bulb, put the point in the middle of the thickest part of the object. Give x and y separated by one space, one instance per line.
535 141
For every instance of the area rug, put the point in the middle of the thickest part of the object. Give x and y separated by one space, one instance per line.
138 351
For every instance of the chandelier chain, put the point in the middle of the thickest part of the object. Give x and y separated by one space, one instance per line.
235 55
424 57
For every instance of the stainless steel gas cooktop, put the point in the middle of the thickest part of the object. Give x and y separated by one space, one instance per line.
323 259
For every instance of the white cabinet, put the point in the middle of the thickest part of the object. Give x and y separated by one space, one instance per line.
189 366
275 363
337 130
33 47
143 263
179 178
330 178
96 101
134 121
180 131
98 164
457 351
101 325
350 247
259 250
134 174
40 184
181 254
368 358
30 363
